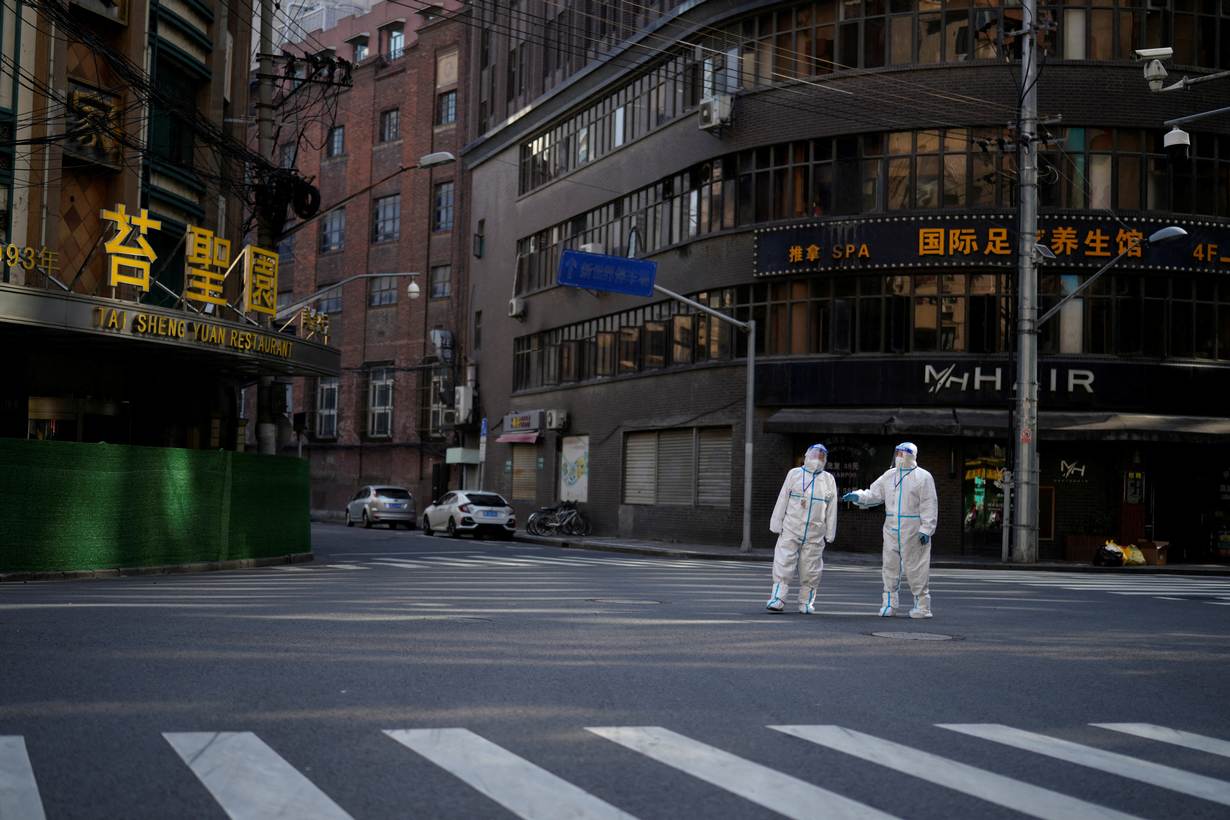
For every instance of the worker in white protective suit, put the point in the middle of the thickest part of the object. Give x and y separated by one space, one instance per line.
907 492
805 519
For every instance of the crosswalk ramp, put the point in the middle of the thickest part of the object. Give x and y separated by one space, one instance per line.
249 780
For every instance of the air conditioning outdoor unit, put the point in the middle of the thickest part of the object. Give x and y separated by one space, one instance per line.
516 308
463 400
592 247
557 419
448 417
715 112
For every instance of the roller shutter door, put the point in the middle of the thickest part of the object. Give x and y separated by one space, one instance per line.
525 472
640 468
676 466
713 476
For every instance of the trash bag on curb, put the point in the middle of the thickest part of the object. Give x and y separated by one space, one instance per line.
1132 556
1108 555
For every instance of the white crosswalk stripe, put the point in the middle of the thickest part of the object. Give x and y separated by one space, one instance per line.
19 796
1195 785
1176 737
761 785
516 784
1003 791
1166 587
249 780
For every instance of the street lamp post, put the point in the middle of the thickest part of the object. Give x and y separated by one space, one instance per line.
1026 474
412 290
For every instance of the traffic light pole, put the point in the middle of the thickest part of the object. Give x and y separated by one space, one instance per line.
1025 474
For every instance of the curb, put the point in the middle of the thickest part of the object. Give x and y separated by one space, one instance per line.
165 569
767 556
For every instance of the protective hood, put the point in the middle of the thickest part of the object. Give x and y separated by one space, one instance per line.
906 455
815 458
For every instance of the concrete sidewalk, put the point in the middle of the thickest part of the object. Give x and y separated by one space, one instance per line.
637 546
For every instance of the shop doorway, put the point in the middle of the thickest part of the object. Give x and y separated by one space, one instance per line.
982 495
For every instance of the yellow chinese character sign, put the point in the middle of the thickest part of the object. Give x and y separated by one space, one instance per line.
130 255
206 259
260 281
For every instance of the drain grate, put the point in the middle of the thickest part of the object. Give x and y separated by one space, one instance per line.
913 636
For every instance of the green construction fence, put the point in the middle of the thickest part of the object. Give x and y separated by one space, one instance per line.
69 506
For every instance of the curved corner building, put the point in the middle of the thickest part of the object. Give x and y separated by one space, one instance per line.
844 173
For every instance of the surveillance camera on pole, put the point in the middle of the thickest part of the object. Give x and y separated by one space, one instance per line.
1178 144
1164 53
1155 73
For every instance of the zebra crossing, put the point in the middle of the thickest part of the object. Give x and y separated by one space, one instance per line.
1212 590
250 780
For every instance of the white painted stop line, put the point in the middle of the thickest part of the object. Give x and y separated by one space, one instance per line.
19 796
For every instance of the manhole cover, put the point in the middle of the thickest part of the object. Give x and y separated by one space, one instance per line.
913 636
623 601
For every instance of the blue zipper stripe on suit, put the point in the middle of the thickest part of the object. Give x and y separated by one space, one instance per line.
811 498
900 560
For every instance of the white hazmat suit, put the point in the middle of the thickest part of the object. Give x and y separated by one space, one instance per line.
805 519
911 509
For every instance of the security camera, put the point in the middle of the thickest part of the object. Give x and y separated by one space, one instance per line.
1164 53
1177 143
1155 74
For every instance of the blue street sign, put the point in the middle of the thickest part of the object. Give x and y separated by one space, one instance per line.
617 274
483 433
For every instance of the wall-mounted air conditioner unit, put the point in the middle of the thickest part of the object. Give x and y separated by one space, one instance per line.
516 308
715 112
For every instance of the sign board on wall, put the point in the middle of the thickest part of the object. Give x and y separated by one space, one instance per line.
574 469
1078 240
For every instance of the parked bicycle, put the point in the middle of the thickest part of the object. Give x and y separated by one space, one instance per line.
563 518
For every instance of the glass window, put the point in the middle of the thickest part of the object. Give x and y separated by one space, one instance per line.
326 407
395 42
390 125
629 349
359 53
683 338
442 212
336 145
331 302
332 230
446 108
441 281
382 291
386 218
655 344
380 402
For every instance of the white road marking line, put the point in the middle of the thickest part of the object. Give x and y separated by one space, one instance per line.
249 780
19 796
516 784
994 788
1166 777
761 785
1175 737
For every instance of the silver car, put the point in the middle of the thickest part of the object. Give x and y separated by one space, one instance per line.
378 504
474 511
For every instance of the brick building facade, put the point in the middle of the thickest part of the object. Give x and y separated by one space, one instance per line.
844 174
383 420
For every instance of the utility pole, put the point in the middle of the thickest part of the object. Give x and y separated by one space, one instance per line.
266 428
1026 472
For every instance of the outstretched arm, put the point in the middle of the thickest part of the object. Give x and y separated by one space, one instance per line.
871 497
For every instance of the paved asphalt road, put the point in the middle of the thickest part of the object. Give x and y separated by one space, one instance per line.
407 676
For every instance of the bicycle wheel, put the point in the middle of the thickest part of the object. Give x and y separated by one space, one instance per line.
531 524
580 525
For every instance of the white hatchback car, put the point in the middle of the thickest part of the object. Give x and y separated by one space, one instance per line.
379 504
474 511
